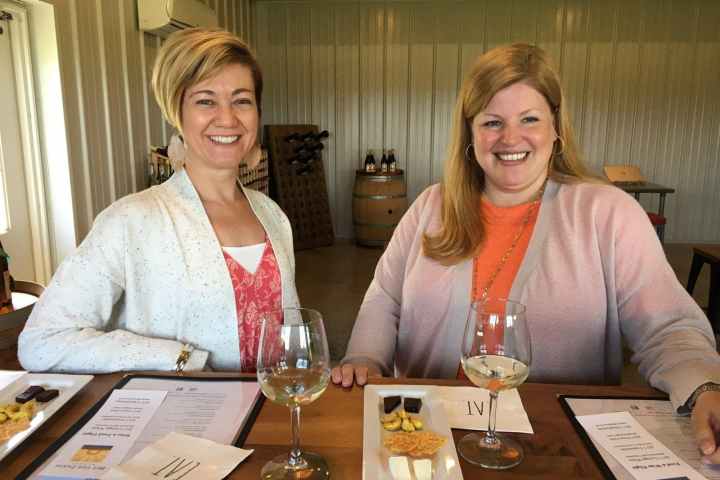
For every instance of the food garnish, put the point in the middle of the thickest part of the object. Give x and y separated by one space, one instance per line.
29 393
423 469
401 420
412 405
389 403
47 395
15 417
399 468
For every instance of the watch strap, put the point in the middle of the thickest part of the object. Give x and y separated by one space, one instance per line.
705 387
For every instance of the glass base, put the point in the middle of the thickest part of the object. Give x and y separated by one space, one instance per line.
314 468
505 453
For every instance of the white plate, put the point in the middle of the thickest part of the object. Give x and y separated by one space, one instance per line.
432 413
68 386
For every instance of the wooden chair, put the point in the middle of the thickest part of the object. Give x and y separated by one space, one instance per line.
13 321
630 174
703 254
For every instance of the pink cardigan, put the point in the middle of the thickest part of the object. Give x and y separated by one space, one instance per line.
594 273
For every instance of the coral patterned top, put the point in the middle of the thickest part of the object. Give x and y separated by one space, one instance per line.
256 295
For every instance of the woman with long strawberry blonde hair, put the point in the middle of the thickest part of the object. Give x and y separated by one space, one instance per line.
518 216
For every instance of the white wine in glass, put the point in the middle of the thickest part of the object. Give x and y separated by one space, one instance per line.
496 356
293 369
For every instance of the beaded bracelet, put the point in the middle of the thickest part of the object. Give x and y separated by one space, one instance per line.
183 358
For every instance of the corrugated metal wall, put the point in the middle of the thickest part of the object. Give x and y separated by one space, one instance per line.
111 114
641 78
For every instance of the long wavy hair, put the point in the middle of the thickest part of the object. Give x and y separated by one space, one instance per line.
463 227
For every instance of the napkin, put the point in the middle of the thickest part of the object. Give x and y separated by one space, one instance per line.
468 408
177 456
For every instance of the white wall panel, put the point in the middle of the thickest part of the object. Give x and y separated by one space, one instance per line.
421 69
447 80
372 78
322 31
299 90
347 113
397 77
640 79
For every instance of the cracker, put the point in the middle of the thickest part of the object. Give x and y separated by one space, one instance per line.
11 427
415 444
401 442
428 444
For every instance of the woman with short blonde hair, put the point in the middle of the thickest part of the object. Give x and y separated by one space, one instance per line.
188 58
178 276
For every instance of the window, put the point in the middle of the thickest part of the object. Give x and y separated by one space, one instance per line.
4 215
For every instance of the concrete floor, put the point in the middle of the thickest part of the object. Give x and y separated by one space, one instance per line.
333 280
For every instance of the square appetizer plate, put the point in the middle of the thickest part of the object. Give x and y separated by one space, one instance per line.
376 457
67 386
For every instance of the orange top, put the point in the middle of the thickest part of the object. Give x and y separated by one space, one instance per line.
502 225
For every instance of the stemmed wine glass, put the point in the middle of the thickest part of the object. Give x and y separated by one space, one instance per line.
496 355
293 369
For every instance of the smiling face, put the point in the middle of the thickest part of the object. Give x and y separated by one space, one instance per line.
220 119
513 142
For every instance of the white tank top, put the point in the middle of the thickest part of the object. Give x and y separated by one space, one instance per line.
248 257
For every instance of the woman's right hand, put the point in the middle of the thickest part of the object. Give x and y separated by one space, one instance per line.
360 372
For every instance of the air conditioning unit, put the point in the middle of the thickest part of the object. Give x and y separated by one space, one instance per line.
163 17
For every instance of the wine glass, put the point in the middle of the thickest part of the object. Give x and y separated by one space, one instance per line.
496 355
293 369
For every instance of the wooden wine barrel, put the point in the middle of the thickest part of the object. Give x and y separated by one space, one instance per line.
379 201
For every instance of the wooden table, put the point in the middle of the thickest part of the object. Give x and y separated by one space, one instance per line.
636 188
12 321
333 427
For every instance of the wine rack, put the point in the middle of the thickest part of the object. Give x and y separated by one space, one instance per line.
159 170
297 182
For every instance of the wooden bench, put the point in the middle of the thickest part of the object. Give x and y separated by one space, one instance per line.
703 254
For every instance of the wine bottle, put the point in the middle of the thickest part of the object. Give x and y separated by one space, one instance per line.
151 174
316 147
384 162
370 162
293 137
5 279
160 171
306 137
392 163
321 135
304 170
301 157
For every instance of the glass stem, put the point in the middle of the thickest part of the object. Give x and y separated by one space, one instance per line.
490 437
295 459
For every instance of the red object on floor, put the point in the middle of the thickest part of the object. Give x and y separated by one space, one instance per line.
658 221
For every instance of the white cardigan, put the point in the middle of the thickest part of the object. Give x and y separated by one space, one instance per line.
149 277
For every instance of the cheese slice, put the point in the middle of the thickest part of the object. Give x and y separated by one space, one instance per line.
399 468
423 469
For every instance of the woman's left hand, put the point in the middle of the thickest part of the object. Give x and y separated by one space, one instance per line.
706 425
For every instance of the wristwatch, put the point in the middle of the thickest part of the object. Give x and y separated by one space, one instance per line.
183 358
705 387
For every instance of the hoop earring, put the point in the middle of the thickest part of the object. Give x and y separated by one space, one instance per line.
562 147
253 157
467 151
176 151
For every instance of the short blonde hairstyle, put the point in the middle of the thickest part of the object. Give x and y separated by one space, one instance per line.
463 228
191 56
